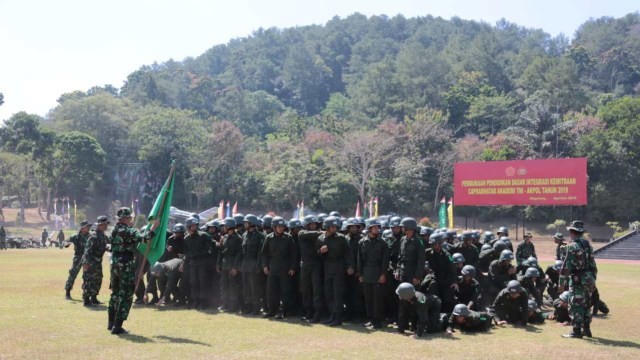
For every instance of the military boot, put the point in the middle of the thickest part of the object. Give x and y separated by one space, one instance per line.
95 301
88 303
118 329
112 317
68 295
575 334
337 321
603 307
329 320
587 331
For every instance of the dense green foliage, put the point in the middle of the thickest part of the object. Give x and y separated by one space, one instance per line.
362 107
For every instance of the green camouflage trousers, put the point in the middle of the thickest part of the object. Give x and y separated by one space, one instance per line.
92 281
73 272
123 278
579 304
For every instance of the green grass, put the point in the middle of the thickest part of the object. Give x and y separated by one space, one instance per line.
37 323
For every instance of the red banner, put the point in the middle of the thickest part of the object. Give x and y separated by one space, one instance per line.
523 182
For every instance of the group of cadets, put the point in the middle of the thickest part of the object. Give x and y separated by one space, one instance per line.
328 269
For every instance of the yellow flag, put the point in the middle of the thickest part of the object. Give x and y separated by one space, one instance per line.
450 213
375 207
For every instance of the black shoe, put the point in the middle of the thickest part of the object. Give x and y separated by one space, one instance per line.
154 300
367 324
587 331
329 320
268 315
88 303
575 334
112 318
139 302
336 322
118 329
95 301
222 309
603 308
376 325
316 319
281 316
68 295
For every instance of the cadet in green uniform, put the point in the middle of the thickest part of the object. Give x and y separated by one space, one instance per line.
124 241
60 239
392 238
467 249
3 238
167 274
338 263
440 262
412 254
196 249
43 237
579 272
311 281
373 260
468 290
229 262
279 260
354 297
467 320
79 241
511 305
92 262
251 269
413 312
500 273
525 249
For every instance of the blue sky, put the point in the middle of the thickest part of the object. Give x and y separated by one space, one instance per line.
52 47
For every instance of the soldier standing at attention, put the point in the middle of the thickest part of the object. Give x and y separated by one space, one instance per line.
252 284
60 238
311 282
92 262
3 239
196 250
124 241
44 237
579 272
412 256
79 241
525 249
229 262
373 260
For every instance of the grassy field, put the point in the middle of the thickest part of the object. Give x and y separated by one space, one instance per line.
37 323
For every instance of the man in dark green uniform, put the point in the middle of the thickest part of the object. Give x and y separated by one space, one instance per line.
311 281
393 241
252 282
95 247
468 291
3 238
440 262
229 262
414 310
196 250
525 249
60 238
411 260
124 241
167 274
578 273
511 305
500 273
354 297
338 263
79 241
467 320
373 260
43 237
467 249
279 261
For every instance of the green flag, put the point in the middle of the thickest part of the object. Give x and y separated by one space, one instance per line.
159 211
442 214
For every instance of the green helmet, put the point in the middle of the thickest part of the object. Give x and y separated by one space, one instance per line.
295 223
450 234
251 219
266 221
531 261
350 222
426 231
531 272
557 265
475 235
371 222
514 286
330 221
461 310
532 305
387 234
192 221
308 219
230 223
178 228
565 296
395 221
488 237
499 246
405 291
486 247
506 255
409 223
335 213
436 238
503 231
344 226
468 270
505 239
467 235
278 220
239 218
457 258
122 213
212 224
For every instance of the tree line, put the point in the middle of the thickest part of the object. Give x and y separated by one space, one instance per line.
357 107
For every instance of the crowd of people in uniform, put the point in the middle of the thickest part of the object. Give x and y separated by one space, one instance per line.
328 269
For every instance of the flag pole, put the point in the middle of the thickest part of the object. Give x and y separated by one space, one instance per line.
146 251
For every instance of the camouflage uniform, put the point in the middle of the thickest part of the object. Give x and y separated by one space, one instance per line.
93 252
579 272
124 241
524 251
79 241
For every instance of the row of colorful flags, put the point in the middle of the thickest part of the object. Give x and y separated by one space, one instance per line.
227 211
371 206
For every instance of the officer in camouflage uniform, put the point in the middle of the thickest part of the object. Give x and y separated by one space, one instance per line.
79 241
92 262
525 249
579 273
124 242
561 246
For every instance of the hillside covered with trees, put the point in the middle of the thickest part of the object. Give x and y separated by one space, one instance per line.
359 107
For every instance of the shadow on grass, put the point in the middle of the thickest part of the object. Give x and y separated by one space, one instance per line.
135 338
176 340
616 343
97 308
